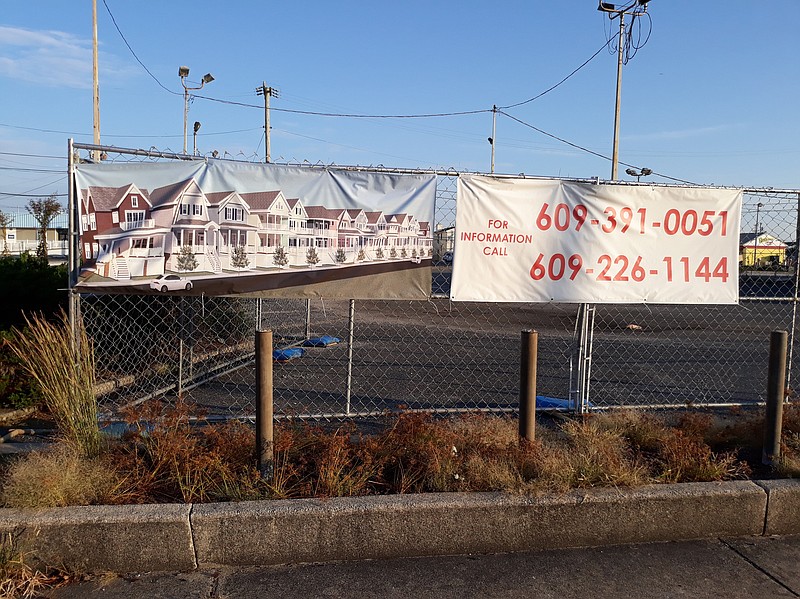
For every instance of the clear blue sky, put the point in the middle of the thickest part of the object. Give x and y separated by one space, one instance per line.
711 98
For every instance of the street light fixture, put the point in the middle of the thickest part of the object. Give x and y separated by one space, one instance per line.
196 129
635 9
183 73
642 172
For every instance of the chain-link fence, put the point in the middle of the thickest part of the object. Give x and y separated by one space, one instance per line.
438 355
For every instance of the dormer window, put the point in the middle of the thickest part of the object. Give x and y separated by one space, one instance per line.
134 201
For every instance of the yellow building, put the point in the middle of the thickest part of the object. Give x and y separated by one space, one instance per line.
762 250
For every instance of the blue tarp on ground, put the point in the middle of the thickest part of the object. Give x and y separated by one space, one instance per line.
323 341
552 403
283 355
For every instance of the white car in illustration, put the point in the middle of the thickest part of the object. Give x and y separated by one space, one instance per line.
170 283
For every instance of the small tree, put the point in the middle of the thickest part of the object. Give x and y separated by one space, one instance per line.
340 256
186 259
311 256
414 253
361 255
404 253
430 252
44 210
280 258
5 224
239 258
393 253
379 254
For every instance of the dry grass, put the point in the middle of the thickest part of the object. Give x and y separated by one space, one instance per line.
63 368
20 580
168 456
58 478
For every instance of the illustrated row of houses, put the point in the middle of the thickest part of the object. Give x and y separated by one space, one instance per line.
127 231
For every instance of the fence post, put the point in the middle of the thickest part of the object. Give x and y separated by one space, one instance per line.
776 378
351 320
264 407
527 385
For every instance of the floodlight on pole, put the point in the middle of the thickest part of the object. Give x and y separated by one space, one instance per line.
635 9
183 73
642 172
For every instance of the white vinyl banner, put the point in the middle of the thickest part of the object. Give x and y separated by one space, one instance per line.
523 240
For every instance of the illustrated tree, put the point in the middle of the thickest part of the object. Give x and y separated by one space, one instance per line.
379 254
239 258
404 253
186 259
280 258
5 223
430 252
361 255
340 256
44 210
311 257
393 253
414 253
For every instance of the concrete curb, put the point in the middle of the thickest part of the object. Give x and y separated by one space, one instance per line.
184 537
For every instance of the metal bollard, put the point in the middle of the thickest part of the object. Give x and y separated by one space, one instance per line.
776 381
527 385
264 406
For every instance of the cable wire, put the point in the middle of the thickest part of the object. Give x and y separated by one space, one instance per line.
548 90
587 150
113 20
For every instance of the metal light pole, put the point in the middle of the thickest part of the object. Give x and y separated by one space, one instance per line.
267 92
755 239
194 137
183 73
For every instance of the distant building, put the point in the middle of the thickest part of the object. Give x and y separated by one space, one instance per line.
23 234
761 250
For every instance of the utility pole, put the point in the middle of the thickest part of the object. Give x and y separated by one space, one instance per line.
636 8
494 132
267 92
95 85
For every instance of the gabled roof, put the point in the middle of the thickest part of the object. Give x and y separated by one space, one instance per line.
323 213
353 213
169 194
106 199
260 200
397 218
374 217
215 198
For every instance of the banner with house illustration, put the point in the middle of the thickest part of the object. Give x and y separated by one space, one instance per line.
225 228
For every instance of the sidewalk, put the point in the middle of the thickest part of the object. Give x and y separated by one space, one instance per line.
760 567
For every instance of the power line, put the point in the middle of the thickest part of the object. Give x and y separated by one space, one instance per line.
548 90
113 20
29 170
348 115
583 149
30 155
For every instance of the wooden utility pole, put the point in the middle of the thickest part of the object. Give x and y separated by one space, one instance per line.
267 92
95 85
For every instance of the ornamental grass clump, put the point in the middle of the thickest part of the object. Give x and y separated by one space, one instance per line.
63 368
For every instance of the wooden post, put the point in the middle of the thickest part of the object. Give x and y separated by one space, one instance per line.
527 385
264 407
776 383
